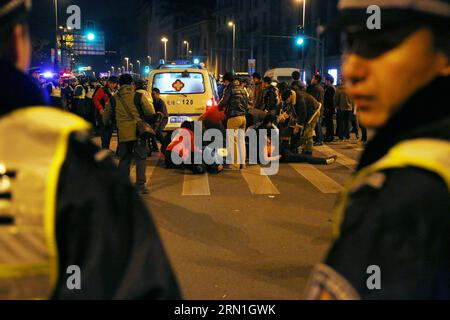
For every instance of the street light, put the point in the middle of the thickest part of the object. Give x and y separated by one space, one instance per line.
139 66
300 41
55 3
165 40
132 68
149 60
128 63
304 10
187 49
231 24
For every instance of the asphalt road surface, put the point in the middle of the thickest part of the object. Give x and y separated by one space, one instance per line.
240 235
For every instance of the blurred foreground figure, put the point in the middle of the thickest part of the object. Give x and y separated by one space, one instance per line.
71 227
393 220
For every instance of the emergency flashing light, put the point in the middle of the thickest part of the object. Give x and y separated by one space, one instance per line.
48 75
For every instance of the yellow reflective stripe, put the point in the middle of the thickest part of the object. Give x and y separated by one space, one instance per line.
51 194
428 154
17 271
74 124
316 114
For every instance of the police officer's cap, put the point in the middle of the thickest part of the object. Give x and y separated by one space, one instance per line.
354 13
13 11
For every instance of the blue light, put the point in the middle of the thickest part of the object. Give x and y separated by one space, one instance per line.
299 41
48 75
196 61
91 36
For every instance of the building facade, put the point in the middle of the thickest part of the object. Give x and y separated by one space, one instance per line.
265 32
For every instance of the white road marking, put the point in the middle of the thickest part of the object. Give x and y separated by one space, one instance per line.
258 184
320 180
342 159
149 173
196 185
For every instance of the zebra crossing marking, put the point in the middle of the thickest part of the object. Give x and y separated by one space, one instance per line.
258 184
316 177
196 185
148 173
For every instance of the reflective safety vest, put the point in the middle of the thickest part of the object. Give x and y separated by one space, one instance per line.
56 92
33 148
83 92
90 93
432 155
428 154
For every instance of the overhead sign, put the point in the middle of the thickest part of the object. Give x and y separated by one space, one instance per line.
251 66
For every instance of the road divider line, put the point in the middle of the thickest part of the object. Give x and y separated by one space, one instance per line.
148 172
342 159
258 184
196 185
316 177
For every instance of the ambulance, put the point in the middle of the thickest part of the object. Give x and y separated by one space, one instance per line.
187 90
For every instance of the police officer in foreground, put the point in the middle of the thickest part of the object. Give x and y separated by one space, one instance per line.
64 208
393 221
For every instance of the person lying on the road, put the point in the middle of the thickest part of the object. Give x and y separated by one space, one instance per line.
184 149
285 155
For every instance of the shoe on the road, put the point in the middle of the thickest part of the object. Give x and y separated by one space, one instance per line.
331 160
143 190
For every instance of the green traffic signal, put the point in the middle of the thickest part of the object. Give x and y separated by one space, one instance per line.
91 36
299 41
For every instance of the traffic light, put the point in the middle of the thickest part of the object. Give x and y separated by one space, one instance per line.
299 41
90 36
147 70
300 37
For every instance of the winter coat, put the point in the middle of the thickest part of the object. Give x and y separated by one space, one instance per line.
342 100
234 101
126 112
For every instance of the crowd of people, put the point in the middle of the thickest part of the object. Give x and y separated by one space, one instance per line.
295 111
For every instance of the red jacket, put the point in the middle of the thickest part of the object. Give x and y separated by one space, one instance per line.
101 98
183 143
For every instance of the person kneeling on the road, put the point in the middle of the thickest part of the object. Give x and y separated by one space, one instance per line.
182 153
285 155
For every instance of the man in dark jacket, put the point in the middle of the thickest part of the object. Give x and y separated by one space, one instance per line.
329 108
100 230
257 91
235 104
100 99
297 84
161 120
317 91
270 100
393 220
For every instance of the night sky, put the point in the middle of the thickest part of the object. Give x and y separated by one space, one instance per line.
43 16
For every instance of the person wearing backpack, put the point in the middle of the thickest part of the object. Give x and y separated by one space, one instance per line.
129 115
